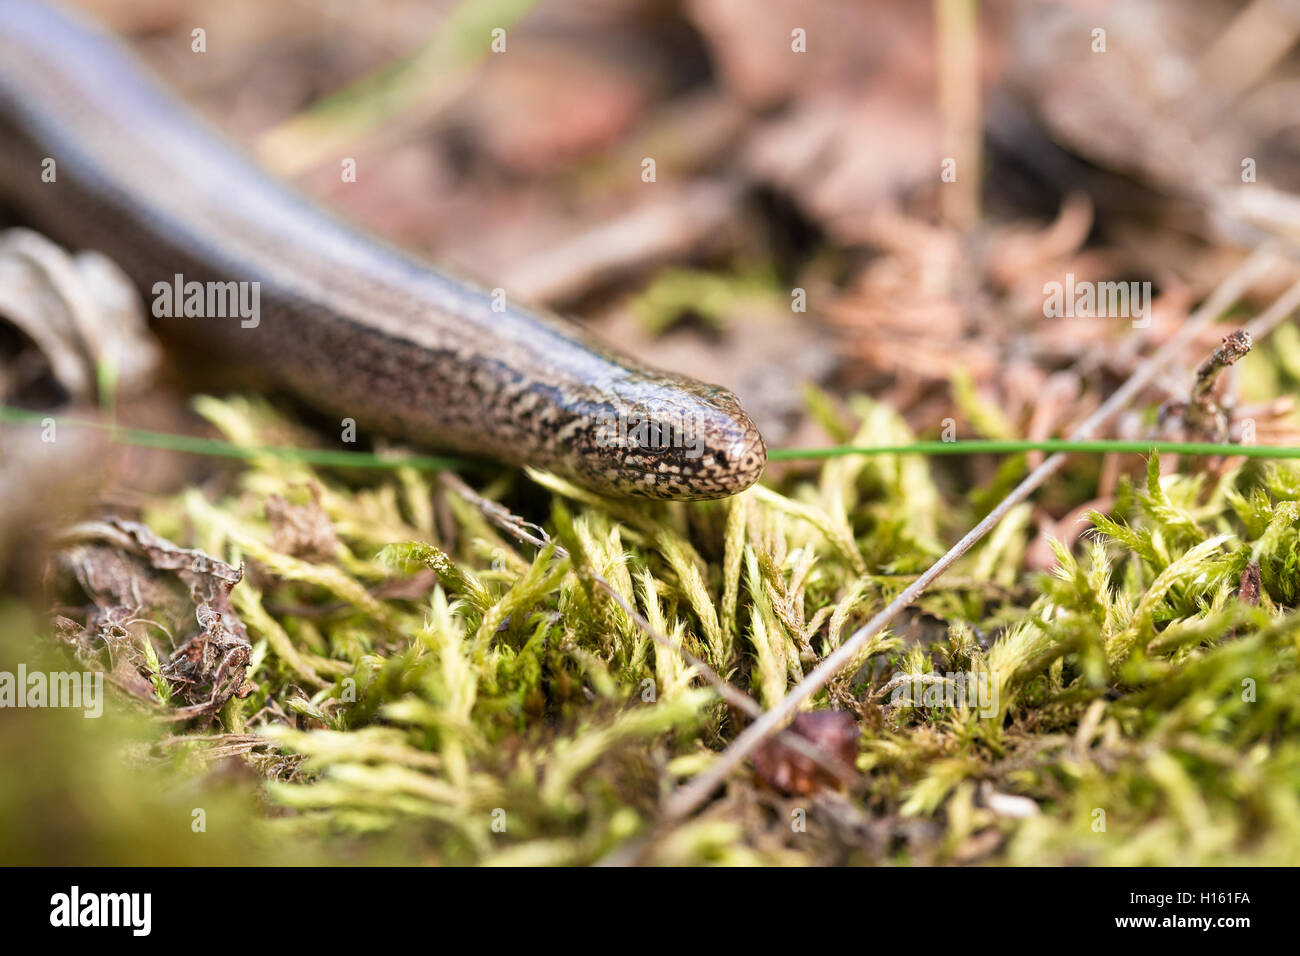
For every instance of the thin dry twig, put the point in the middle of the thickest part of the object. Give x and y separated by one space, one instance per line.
1275 314
690 795
959 102
1203 416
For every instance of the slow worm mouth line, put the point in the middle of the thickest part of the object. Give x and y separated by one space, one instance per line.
346 322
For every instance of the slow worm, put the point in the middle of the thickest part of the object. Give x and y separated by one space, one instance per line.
97 154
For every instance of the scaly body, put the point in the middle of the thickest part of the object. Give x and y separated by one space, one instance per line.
348 323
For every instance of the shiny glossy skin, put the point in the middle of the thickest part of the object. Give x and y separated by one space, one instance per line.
350 324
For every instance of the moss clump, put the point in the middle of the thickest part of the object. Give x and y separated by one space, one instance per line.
424 685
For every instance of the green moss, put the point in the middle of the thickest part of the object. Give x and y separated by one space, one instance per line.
438 690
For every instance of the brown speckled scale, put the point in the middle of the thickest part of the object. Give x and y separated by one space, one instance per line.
348 323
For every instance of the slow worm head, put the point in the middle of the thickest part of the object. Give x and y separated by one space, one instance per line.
346 322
